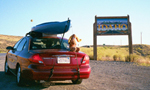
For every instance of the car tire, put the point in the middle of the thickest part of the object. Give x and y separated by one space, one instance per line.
19 78
7 70
77 81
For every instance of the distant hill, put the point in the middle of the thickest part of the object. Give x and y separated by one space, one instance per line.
140 49
143 50
7 40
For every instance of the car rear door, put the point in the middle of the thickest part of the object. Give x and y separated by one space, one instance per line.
11 53
16 52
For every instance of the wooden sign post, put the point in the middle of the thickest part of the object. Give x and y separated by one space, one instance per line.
111 26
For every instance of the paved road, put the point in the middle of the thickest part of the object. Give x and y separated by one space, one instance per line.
104 76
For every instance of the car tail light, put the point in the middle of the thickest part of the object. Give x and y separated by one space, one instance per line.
85 59
36 58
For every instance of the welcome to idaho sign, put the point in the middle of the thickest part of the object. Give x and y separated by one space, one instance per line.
112 26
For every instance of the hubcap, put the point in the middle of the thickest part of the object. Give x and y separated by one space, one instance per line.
18 75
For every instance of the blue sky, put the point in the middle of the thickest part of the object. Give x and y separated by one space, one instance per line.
15 16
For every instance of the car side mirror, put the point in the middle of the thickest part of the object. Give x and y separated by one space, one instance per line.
9 48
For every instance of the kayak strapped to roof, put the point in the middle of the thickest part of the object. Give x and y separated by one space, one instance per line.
50 28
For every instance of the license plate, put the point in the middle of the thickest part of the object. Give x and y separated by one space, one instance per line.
63 60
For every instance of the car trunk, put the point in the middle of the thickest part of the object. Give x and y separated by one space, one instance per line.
58 57
61 64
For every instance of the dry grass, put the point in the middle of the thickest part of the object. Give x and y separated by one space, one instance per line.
107 53
120 53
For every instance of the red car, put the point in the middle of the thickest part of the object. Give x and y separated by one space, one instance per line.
46 58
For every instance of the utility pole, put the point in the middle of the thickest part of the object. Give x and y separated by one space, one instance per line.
141 37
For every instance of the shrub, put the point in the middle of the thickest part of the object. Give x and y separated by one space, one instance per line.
91 57
127 58
115 57
130 58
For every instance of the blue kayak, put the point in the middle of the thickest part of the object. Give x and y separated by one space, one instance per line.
52 27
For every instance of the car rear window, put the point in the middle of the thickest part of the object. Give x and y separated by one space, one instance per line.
48 43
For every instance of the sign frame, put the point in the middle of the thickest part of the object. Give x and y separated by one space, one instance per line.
95 34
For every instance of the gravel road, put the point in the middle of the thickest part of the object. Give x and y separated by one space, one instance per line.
105 75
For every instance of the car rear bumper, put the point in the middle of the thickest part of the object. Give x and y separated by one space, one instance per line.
59 73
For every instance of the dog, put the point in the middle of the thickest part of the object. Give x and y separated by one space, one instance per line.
73 42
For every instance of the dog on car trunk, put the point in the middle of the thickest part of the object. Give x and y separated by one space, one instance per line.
73 43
